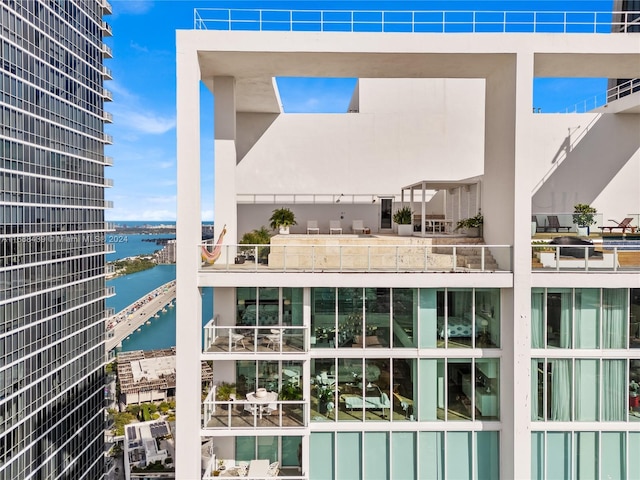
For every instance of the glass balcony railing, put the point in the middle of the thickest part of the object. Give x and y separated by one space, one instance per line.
621 255
255 414
360 257
247 338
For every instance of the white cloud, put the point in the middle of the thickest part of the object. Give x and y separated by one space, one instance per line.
138 47
144 121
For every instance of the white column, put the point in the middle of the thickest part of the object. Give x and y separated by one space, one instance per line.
506 198
226 212
188 236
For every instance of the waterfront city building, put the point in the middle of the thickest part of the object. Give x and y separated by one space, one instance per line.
52 229
346 350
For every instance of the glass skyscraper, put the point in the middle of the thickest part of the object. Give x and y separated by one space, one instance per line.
52 231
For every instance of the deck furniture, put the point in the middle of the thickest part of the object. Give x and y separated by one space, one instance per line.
312 226
534 219
258 469
237 338
623 225
335 227
274 339
358 226
554 223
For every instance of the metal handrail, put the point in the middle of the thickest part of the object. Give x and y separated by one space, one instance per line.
371 257
411 21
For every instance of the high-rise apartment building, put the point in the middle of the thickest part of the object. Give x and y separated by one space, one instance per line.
52 238
344 350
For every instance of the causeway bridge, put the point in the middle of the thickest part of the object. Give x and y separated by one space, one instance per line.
128 320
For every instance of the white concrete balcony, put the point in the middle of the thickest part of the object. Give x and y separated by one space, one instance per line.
108 204
251 339
107 95
108 182
107 116
109 291
109 226
109 269
109 248
106 7
269 413
106 29
106 51
359 253
108 160
108 139
106 73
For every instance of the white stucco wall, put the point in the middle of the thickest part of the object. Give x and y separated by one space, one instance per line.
586 158
407 130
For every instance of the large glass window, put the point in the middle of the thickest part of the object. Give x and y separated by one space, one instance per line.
323 317
581 389
582 454
351 331
405 317
582 318
634 318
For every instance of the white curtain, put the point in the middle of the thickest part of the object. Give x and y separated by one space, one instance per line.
614 324
534 390
565 319
560 389
614 390
537 318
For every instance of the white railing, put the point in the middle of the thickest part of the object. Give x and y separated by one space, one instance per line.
109 291
245 414
106 73
108 160
249 338
295 198
106 29
585 258
454 21
106 51
601 99
107 116
331 258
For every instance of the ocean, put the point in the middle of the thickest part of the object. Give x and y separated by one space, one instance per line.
162 331
130 245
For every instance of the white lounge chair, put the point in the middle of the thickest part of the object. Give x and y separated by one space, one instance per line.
335 227
274 339
358 226
237 338
312 226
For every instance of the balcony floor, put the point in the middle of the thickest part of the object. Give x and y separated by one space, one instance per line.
291 417
221 344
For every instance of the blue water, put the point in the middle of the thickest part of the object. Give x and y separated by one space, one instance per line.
162 331
130 245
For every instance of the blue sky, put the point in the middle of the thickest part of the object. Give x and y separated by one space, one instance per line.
143 88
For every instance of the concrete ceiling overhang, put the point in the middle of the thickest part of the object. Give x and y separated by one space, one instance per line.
255 58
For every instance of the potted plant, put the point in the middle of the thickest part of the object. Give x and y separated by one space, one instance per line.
260 236
404 218
225 392
471 225
290 391
281 219
583 217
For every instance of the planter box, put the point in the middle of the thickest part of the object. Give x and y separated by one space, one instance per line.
405 230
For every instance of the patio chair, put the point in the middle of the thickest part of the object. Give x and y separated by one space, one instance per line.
623 225
358 226
312 226
554 223
273 469
237 338
335 227
274 339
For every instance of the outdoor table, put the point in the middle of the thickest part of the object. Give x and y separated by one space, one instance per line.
261 402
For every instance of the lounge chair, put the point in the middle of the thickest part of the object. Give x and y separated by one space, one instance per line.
358 226
554 223
623 225
312 226
335 227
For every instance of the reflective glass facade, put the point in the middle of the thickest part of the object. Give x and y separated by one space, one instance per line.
52 249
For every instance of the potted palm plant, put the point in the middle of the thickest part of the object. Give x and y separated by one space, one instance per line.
404 218
281 219
583 216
